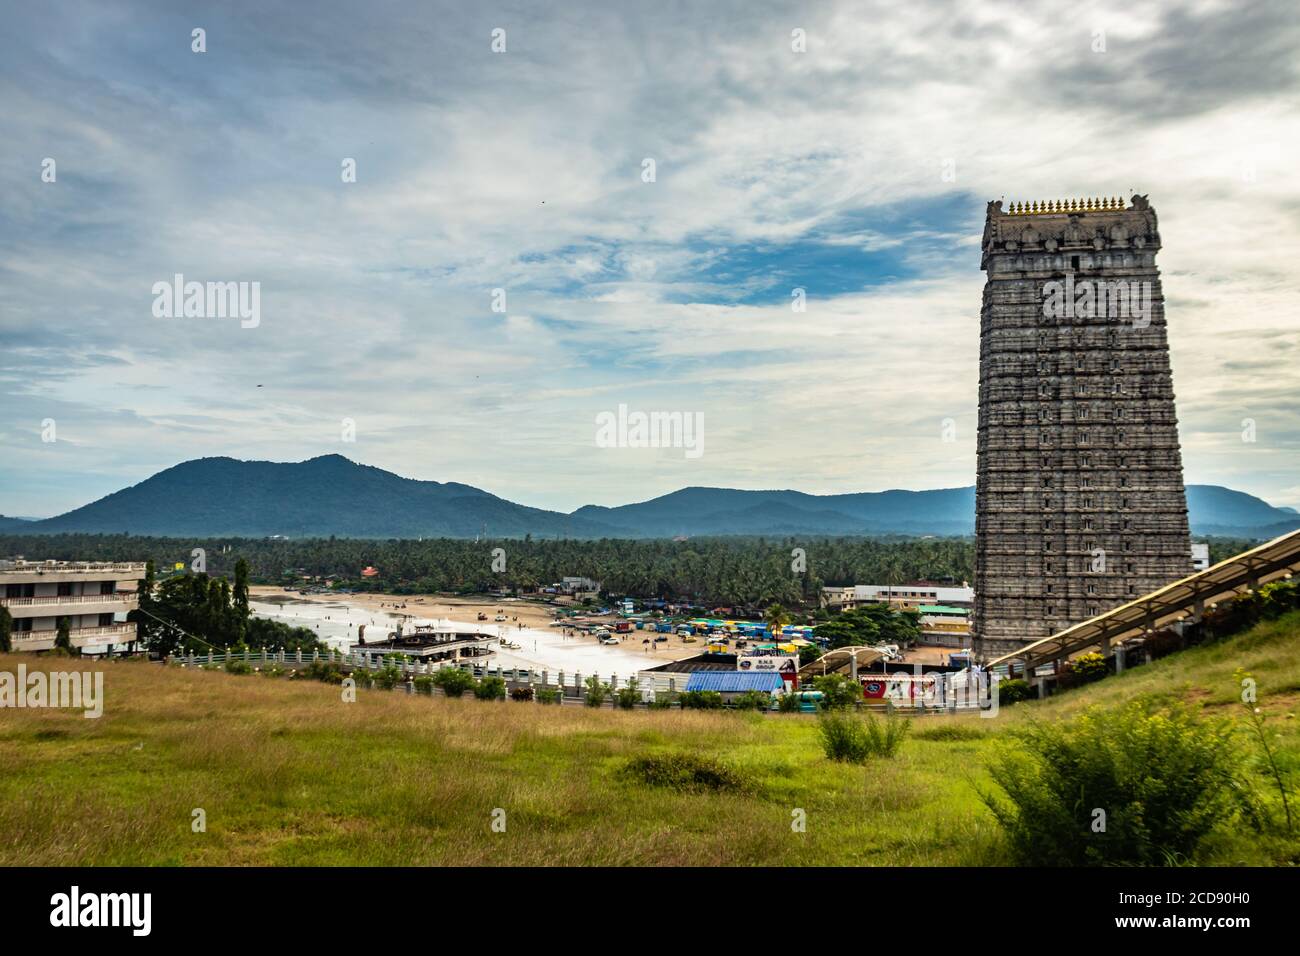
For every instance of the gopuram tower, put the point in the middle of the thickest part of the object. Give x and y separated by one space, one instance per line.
1079 500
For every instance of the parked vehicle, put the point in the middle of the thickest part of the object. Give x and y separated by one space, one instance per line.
609 639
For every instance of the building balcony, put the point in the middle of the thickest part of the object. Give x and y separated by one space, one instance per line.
118 601
79 636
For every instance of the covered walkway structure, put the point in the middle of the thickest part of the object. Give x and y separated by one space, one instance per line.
841 660
1183 600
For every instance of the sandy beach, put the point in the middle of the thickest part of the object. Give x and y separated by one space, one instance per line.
336 618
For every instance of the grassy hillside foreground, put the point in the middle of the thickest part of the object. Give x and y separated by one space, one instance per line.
289 774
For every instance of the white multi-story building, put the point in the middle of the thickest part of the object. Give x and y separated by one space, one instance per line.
95 597
904 595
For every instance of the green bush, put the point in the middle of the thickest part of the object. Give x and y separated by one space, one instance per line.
363 678
628 697
1013 691
855 738
1083 669
238 667
662 700
453 681
752 700
490 688
423 684
596 691
788 703
1163 780
840 691
548 696
701 700
685 771
328 672
387 676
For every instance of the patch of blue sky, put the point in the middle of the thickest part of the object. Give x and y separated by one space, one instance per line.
848 253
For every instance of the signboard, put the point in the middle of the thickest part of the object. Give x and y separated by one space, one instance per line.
787 667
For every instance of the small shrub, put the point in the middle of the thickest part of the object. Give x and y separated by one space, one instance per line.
363 678
1013 691
684 771
788 703
840 691
1163 779
701 700
752 700
662 700
238 667
453 681
490 688
548 696
1083 669
596 691
274 670
521 693
855 738
424 684
329 672
627 697
387 676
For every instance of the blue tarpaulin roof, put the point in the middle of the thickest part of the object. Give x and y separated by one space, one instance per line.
734 682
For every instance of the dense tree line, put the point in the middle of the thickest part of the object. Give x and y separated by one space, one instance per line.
717 571
743 572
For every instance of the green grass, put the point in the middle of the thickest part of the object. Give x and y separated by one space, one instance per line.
289 774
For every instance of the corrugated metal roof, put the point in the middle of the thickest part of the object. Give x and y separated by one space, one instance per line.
735 682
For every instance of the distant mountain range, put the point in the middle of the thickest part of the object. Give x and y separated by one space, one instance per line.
332 495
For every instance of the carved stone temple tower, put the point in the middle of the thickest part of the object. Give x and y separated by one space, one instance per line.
1079 500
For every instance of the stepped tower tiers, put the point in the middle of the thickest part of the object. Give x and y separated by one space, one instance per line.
1079 499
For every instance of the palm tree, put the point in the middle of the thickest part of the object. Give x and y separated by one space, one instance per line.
776 618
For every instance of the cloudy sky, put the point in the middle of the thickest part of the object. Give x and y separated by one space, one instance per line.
857 170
